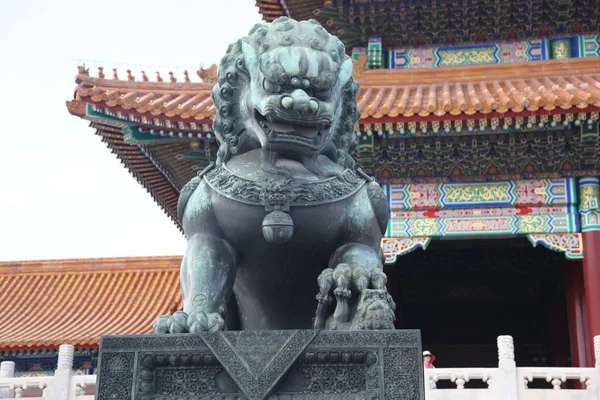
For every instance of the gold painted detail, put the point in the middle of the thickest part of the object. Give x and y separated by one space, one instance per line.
424 227
590 197
477 193
532 224
467 57
561 49
395 247
569 243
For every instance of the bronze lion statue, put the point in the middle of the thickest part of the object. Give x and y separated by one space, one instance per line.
283 214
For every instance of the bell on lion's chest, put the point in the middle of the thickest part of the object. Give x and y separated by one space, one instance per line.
278 227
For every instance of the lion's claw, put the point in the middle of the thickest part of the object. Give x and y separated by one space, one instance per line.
362 301
161 325
181 322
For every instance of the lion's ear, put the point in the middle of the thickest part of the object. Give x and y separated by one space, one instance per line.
250 56
345 72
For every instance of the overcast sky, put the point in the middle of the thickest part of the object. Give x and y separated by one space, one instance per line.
63 194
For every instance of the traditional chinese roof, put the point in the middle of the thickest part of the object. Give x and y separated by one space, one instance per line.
271 9
407 23
161 131
445 92
48 303
185 100
402 95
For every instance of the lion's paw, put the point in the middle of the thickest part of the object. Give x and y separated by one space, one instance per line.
181 322
360 297
205 322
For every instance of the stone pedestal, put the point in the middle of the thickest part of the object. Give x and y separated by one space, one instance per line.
294 364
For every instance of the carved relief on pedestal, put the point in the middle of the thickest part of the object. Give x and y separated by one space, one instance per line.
395 247
569 243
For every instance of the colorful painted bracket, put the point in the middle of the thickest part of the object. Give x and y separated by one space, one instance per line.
569 243
395 247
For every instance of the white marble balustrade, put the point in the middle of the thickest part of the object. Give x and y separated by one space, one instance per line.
64 385
506 382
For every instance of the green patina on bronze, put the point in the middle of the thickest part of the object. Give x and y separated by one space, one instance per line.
283 214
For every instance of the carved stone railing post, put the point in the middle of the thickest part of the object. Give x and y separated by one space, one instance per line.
61 387
508 368
7 370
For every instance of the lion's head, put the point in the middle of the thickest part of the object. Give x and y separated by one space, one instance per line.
286 87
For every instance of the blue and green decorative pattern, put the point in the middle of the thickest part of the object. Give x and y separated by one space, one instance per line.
480 54
588 46
358 51
467 55
481 209
375 53
521 193
508 225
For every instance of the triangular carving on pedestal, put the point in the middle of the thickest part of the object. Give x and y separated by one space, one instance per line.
257 360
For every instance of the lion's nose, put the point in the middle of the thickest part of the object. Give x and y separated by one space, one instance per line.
287 102
300 102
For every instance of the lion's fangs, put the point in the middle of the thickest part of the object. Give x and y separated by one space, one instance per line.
272 135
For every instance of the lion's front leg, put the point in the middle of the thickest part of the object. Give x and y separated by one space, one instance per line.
357 282
207 277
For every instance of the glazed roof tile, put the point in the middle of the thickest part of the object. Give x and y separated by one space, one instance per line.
443 93
447 92
270 9
49 303
188 100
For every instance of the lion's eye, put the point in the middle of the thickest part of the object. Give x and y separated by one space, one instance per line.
322 95
271 87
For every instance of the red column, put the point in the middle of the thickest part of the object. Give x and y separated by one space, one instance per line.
591 277
577 315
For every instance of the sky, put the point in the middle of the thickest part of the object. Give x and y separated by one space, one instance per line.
63 194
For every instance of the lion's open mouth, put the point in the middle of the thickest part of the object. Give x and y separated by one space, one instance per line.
307 133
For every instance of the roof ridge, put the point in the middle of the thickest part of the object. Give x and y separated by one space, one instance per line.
123 264
208 77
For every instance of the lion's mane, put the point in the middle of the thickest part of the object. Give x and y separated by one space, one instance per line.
228 95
